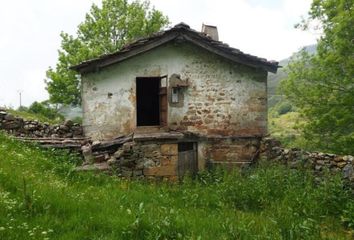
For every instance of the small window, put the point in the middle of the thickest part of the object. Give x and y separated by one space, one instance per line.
174 95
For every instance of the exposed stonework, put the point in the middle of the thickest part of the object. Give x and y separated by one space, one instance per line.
145 156
271 150
29 128
180 81
217 99
221 99
142 159
229 153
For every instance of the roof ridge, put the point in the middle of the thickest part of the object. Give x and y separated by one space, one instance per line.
196 37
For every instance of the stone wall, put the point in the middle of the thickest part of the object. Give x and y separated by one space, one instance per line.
222 99
229 153
146 159
159 158
271 150
31 128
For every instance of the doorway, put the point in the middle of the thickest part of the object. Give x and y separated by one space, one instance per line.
151 102
187 159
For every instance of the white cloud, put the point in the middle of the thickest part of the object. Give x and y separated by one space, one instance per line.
29 43
252 26
30 33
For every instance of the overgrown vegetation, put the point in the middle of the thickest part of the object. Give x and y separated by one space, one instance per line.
41 197
287 129
40 111
321 85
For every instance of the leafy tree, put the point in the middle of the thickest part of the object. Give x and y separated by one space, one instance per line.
106 29
45 109
322 84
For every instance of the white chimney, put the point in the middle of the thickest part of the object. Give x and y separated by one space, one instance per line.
211 31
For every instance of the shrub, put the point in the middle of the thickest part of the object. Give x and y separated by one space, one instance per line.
77 120
44 109
284 107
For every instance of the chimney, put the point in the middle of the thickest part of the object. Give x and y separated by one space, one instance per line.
211 31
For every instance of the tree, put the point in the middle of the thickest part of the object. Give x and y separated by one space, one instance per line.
45 109
322 84
106 29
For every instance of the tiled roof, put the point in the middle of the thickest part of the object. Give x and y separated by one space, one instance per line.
179 32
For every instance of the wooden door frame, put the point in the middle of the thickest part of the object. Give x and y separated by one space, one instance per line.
167 102
167 96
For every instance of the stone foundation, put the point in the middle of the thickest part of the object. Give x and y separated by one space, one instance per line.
228 152
159 158
146 159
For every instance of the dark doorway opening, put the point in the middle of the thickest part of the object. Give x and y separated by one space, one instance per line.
148 101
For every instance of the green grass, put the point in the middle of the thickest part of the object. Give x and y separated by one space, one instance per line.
41 197
287 128
285 124
33 116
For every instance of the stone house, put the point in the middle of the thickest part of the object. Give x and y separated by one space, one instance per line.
187 99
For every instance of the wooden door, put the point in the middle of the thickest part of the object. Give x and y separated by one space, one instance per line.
187 159
163 106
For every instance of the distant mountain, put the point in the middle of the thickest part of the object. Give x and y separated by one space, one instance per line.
274 79
311 48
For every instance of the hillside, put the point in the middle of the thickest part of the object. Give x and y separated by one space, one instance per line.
41 197
274 79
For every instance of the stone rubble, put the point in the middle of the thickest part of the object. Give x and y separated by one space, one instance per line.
271 150
137 160
19 127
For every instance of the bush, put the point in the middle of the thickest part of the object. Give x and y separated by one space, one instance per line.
284 107
44 109
77 120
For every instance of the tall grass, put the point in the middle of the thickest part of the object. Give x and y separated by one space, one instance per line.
41 197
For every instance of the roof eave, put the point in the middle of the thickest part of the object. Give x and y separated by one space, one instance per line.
188 35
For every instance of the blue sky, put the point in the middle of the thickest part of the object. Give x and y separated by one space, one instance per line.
30 33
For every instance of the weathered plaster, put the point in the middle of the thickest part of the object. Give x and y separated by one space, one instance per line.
223 99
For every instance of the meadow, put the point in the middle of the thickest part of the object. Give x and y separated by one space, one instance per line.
42 197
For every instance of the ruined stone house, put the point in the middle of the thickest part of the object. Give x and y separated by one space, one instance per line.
188 100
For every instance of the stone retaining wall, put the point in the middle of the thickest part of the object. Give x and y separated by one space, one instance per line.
31 128
148 159
271 150
136 160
